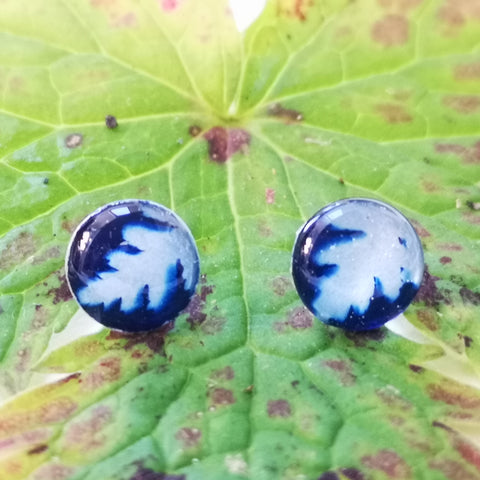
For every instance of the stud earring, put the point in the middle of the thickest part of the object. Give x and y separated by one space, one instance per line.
132 265
357 264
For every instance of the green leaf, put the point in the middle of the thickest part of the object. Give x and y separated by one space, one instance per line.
245 135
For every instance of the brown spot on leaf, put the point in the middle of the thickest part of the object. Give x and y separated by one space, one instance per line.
391 31
472 217
467 71
429 292
189 437
452 470
279 408
196 307
223 143
469 155
111 121
455 13
86 435
393 113
391 397
226 373
143 473
53 472
222 396
428 318
57 410
288 115
465 104
195 130
281 285
400 5
468 341
264 229
62 292
352 474
388 462
295 9
107 370
38 449
344 371
213 325
361 339
468 451
450 247
415 368
420 229
461 396
18 250
329 476
299 319
444 260
470 297
270 196
74 140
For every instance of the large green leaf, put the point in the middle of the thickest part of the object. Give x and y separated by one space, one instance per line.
245 136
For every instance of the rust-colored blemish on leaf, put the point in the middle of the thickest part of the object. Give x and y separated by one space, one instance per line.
196 307
445 260
18 250
429 186
450 247
74 140
467 340
472 217
189 437
469 155
461 396
226 373
468 451
429 293
391 397
222 396
344 371
281 285
361 339
465 104
393 113
452 470
106 371
86 435
57 410
279 408
295 9
288 115
416 368
223 143
428 318
388 462
391 31
422 232
270 196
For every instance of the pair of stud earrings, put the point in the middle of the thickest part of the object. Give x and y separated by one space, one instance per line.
133 264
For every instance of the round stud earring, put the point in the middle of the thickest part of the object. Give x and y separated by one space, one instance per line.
357 264
132 265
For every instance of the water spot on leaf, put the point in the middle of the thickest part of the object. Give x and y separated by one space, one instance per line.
222 396
454 395
111 121
226 373
74 140
195 130
270 196
393 113
279 408
18 250
225 142
189 437
444 260
391 31
288 115
465 104
388 462
344 371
